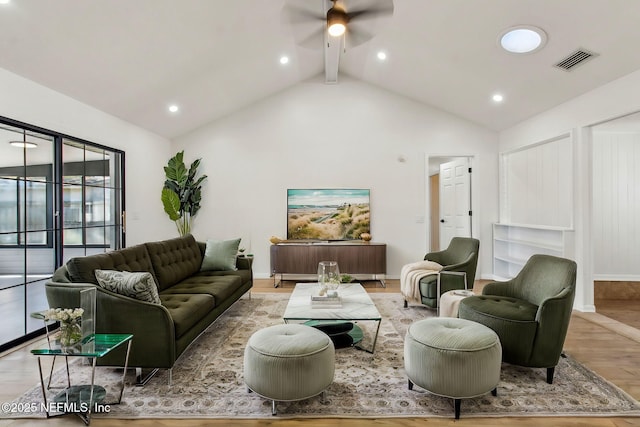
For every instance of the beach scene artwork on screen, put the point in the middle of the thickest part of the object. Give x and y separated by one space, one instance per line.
327 214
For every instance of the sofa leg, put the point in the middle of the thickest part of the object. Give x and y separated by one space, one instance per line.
550 372
406 304
410 384
273 408
494 392
140 380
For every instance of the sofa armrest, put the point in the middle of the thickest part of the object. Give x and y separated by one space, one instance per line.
151 324
244 263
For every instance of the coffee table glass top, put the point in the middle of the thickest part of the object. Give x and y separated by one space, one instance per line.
356 304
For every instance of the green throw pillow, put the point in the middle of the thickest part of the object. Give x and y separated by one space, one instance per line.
220 255
140 285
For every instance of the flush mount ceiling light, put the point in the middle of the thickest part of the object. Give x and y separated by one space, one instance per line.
284 60
4 1
522 39
497 97
173 108
23 144
382 55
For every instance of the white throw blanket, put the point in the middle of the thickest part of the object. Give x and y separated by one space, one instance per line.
410 276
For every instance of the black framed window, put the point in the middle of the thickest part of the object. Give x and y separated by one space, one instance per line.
60 197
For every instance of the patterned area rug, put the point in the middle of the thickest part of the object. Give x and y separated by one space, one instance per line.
207 379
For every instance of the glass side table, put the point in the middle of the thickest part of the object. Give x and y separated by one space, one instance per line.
81 399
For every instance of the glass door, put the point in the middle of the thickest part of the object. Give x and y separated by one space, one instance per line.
59 198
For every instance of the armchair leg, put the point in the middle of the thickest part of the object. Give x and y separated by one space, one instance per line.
456 404
410 384
550 372
406 304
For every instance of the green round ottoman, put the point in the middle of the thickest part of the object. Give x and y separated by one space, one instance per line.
453 358
288 362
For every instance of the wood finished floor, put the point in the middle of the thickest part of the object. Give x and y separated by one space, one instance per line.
607 346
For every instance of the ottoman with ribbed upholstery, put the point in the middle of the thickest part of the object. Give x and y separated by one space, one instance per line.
288 362
453 358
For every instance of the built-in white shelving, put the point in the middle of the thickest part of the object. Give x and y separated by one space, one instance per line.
513 245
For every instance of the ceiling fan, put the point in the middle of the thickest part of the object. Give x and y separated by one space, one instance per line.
356 20
335 25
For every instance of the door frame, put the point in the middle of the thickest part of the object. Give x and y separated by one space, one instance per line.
475 207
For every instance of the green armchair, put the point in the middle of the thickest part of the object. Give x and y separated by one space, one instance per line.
461 256
530 313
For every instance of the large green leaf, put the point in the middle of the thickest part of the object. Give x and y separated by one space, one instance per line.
171 203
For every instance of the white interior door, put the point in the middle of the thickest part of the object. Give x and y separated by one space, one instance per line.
455 200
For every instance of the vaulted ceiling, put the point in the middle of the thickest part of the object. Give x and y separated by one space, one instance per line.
133 58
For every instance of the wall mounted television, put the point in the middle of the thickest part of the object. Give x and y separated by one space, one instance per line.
327 214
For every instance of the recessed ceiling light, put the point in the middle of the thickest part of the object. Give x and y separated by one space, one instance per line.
382 56
173 108
284 60
522 39
22 144
497 97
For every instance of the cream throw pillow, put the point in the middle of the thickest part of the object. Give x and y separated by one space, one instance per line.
140 285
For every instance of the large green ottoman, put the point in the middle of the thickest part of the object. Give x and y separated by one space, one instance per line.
288 362
453 358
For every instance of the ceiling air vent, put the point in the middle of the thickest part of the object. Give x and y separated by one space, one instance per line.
578 57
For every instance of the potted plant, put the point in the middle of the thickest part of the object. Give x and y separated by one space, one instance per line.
182 192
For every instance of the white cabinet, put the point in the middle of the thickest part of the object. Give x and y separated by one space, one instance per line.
513 245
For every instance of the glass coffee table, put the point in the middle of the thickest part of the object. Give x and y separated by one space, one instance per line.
355 305
83 399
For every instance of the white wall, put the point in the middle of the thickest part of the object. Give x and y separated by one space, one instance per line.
616 205
346 135
609 101
537 184
145 152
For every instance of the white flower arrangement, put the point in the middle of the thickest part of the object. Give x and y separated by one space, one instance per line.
66 315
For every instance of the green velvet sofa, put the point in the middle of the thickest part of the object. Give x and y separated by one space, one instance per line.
190 299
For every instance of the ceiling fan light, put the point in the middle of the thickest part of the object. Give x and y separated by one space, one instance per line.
336 22
336 30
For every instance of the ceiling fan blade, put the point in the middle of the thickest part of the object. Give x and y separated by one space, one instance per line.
296 14
306 22
356 36
373 9
314 40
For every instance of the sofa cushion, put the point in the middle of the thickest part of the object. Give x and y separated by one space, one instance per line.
134 258
186 309
244 275
140 286
219 287
174 260
220 255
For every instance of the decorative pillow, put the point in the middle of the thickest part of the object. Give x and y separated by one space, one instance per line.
220 255
140 285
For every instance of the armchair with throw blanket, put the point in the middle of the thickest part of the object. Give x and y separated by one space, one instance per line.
530 313
418 281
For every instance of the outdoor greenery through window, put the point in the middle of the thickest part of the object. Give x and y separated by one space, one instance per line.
59 198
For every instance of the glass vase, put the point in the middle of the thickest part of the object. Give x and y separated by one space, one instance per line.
328 278
70 334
